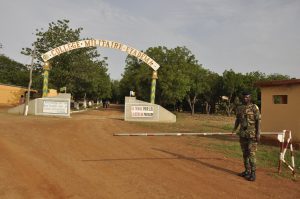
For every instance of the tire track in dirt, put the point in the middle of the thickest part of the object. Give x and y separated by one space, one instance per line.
21 169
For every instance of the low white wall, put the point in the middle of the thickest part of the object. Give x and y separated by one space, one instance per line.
140 111
49 106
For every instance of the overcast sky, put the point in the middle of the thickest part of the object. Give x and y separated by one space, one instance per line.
242 35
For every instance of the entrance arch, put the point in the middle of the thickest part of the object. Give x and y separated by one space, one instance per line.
100 43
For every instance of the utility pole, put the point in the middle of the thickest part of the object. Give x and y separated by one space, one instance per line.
30 82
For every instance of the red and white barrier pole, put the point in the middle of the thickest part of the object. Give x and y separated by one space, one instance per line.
183 134
293 160
169 134
280 136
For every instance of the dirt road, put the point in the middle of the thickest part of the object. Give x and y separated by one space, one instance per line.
47 157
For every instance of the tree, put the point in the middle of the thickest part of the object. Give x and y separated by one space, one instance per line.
136 77
249 80
213 92
12 72
231 83
115 91
198 84
80 70
276 76
173 82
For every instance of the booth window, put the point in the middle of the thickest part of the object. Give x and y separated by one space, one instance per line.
280 99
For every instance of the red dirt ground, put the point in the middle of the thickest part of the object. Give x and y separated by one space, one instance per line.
48 157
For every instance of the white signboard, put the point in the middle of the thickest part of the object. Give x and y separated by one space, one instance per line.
57 107
142 111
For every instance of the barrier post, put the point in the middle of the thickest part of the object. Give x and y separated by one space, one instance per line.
286 144
281 139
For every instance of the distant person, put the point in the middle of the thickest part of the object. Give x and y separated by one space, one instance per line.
248 119
76 105
104 103
22 99
84 104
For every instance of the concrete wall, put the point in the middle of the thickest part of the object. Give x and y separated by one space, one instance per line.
38 106
277 117
20 108
140 111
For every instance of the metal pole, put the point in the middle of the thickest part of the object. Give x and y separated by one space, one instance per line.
169 134
153 87
281 156
184 134
280 136
29 84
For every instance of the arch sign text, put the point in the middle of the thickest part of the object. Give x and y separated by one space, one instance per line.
101 43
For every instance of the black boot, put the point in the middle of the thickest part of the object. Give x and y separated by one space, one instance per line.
252 176
245 174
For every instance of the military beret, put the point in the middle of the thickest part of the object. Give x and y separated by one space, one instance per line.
246 93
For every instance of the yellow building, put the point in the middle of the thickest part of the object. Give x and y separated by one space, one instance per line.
280 106
10 95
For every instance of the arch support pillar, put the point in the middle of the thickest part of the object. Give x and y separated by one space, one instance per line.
46 68
153 87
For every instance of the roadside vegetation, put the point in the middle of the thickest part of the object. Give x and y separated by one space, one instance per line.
183 84
267 154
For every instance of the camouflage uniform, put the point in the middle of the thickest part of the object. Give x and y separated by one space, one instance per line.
247 115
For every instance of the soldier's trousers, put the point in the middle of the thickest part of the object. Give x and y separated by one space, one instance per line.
249 147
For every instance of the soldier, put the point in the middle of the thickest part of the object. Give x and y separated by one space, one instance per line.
248 119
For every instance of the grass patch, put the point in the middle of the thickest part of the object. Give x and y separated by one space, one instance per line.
196 124
267 156
227 127
231 149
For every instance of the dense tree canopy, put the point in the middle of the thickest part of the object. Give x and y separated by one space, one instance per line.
12 72
80 70
173 81
182 81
